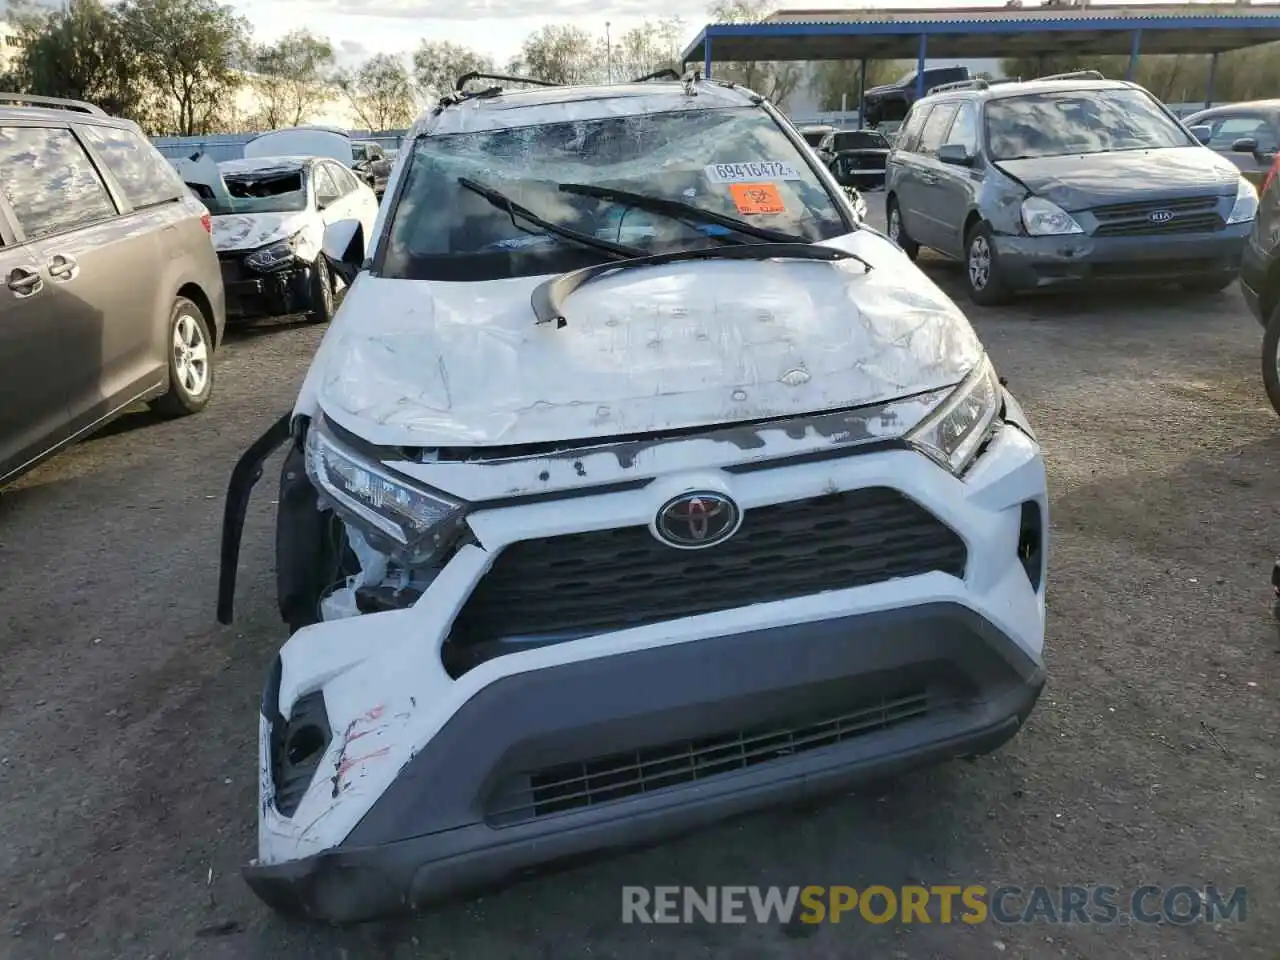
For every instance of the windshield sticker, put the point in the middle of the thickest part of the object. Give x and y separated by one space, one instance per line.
750 172
757 198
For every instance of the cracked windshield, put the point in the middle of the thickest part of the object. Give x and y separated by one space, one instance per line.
736 164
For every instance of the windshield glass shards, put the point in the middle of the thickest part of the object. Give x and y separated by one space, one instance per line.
1078 122
272 190
642 182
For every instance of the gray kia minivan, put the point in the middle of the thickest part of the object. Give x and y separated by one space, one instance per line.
112 291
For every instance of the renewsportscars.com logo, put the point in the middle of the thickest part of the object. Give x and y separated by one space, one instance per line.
973 904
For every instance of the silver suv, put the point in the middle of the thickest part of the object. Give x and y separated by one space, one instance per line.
112 292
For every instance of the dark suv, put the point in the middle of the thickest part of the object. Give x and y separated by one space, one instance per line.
112 292
1260 279
1064 180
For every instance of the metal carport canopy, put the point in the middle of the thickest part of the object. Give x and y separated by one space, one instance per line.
983 32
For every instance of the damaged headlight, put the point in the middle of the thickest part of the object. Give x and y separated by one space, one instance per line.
275 256
953 433
411 523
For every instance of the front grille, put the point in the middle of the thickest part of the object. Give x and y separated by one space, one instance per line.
584 583
1189 215
610 778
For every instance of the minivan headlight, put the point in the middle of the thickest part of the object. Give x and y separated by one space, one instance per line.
953 433
1246 205
411 523
1044 218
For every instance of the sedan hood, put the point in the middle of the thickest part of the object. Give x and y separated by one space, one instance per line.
1096 179
245 231
683 345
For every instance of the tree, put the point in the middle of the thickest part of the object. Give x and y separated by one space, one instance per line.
380 93
561 53
835 82
291 77
79 52
774 80
190 51
438 65
653 45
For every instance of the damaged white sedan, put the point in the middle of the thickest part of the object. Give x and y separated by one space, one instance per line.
635 484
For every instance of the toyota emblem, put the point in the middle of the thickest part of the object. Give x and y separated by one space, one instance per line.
693 521
1160 216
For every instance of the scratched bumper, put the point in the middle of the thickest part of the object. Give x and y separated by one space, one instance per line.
806 709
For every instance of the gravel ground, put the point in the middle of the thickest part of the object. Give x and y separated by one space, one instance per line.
127 716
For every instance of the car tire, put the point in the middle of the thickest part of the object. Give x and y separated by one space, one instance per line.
897 232
321 292
190 350
982 268
1208 284
1271 359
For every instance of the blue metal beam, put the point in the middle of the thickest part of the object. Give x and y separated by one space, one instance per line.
920 59
1213 72
1135 49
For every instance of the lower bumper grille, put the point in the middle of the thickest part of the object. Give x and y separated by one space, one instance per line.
606 779
603 580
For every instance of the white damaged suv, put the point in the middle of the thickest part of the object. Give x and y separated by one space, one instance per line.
635 484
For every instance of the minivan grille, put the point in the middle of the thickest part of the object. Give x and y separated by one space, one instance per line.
602 580
604 779
1185 215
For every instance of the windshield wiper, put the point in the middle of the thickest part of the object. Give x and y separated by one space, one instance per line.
500 200
548 297
677 209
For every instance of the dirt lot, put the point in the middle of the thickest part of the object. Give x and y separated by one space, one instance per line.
127 716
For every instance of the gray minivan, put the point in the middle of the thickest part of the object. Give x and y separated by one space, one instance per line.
112 292
1064 180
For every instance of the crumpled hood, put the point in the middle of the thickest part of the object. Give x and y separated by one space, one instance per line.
419 363
248 231
1081 182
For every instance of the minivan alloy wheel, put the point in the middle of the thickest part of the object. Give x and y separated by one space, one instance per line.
190 355
979 262
895 226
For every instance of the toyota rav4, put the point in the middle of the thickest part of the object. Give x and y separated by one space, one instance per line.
636 483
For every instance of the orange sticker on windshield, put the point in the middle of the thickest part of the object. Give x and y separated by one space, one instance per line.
757 198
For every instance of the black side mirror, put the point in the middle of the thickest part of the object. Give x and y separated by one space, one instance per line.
955 154
1245 145
343 247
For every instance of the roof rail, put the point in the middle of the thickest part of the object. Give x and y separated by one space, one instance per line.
1075 75
57 103
479 75
666 73
999 80
977 83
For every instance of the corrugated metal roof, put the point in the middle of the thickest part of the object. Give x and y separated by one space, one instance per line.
1029 15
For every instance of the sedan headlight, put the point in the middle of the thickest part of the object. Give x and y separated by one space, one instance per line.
273 257
411 523
1246 205
953 433
1043 218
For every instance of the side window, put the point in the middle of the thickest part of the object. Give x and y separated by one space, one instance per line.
909 135
344 180
326 190
145 177
964 129
49 180
935 129
1230 129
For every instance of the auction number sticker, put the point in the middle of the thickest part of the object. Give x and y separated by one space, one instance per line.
757 198
751 172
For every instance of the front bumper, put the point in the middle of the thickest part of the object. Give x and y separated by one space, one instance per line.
911 687
1029 263
435 783
251 294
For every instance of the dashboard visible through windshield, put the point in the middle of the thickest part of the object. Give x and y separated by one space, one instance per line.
691 176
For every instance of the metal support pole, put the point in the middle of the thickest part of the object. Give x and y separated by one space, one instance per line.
862 94
920 58
706 57
1213 71
1134 50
